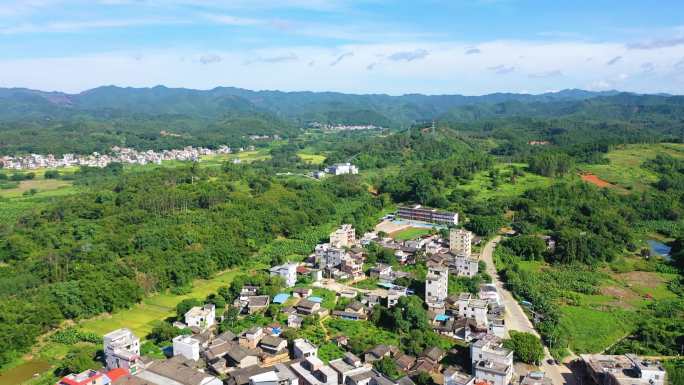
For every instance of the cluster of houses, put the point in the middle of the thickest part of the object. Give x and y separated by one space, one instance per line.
257 356
344 127
116 155
261 356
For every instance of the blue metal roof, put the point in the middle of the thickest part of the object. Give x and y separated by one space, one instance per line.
441 317
281 298
315 299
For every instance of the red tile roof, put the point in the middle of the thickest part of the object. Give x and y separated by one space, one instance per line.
115 374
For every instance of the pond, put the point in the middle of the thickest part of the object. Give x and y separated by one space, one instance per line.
23 372
659 248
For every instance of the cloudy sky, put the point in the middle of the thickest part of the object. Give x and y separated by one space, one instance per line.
469 47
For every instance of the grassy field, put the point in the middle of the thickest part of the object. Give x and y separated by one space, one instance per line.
142 317
594 330
483 188
40 185
410 233
625 168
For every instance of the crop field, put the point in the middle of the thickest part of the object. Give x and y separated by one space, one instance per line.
311 158
625 168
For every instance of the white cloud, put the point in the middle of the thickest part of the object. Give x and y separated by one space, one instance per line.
408 55
209 59
445 70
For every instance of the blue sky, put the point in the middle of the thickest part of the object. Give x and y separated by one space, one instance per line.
363 46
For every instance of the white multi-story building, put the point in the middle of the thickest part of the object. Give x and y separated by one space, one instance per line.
492 362
464 266
475 309
345 236
287 271
460 242
186 346
202 317
122 350
342 168
436 286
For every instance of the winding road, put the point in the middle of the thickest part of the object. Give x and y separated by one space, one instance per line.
516 319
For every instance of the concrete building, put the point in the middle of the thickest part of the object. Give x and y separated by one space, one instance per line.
467 306
626 369
426 214
342 168
312 371
536 378
287 271
491 361
277 374
460 242
436 286
122 350
304 349
201 317
177 370
489 293
453 376
348 365
394 294
186 346
464 266
344 236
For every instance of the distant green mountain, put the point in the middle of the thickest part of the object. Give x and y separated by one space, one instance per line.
94 120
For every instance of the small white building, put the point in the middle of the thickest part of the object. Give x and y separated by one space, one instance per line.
202 317
304 349
186 346
342 168
287 271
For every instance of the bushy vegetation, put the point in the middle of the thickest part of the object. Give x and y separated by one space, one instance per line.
138 233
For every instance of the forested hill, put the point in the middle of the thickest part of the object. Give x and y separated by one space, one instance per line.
301 107
160 118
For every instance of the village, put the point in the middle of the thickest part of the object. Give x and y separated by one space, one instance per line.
266 354
117 154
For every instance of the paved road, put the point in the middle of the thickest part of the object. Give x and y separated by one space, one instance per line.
517 320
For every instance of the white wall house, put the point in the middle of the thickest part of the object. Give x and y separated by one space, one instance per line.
186 346
342 168
287 271
202 317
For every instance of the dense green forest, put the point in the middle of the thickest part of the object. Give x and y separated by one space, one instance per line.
128 235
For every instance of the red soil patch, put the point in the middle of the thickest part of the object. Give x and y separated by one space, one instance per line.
593 179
